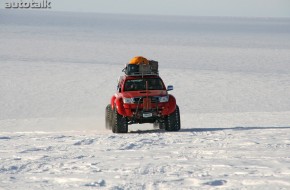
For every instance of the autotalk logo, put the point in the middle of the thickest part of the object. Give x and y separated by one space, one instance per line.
42 4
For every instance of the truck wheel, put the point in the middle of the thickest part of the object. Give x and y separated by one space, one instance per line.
119 124
172 122
109 116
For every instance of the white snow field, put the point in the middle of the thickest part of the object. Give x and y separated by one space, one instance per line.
58 71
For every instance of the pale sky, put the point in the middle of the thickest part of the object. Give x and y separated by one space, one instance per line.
236 8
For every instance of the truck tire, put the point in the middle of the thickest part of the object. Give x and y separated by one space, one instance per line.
119 123
172 122
109 116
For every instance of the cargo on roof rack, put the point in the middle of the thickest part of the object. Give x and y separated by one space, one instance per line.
142 68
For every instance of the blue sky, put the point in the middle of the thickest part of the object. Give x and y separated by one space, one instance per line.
239 8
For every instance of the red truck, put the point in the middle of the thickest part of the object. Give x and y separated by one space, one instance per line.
142 97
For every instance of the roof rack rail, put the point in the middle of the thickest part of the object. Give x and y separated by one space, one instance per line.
142 73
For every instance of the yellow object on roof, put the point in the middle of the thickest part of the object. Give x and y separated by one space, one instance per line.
139 60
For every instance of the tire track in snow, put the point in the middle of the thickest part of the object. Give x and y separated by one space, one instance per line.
191 158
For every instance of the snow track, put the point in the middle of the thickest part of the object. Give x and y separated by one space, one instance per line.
249 157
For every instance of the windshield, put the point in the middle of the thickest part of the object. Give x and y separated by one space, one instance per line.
140 84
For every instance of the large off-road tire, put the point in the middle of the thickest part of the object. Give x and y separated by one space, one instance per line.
120 124
172 122
109 117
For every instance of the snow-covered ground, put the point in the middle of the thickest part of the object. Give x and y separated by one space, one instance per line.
59 70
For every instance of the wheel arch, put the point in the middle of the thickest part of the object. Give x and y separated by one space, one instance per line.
113 102
119 106
171 104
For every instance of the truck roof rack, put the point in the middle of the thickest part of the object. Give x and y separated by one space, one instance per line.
141 73
142 69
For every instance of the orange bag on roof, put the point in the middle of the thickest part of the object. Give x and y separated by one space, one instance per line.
139 60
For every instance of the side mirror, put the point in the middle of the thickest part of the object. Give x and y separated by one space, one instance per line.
169 87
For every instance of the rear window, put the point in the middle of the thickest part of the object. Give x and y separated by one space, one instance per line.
140 84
